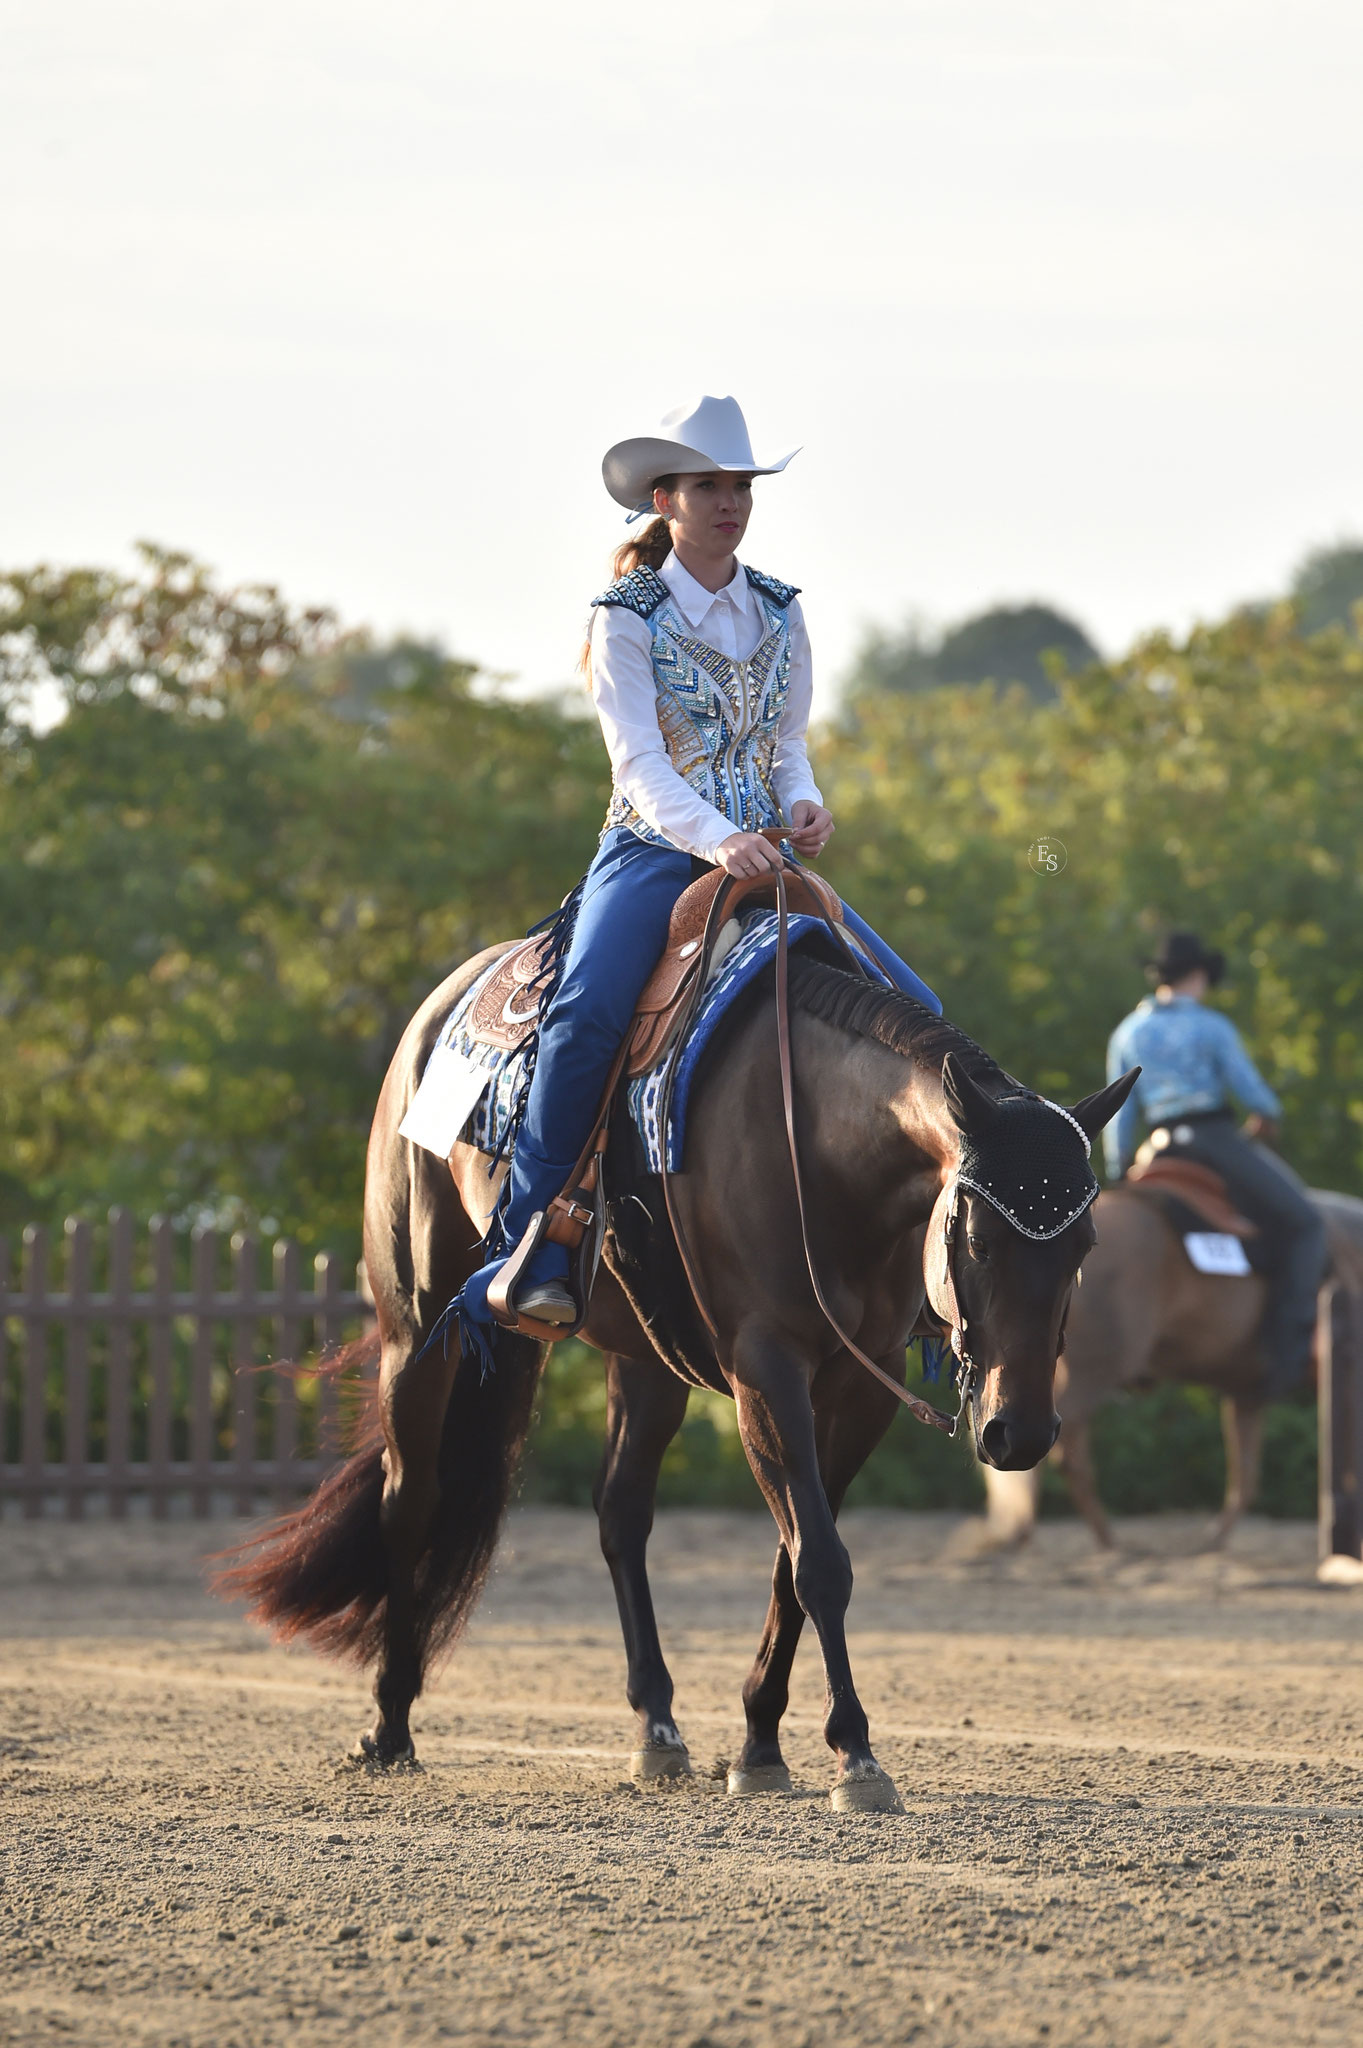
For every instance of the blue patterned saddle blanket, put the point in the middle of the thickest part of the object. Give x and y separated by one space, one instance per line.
469 1090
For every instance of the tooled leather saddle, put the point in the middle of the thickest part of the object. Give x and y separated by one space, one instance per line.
1193 1186
507 1006
702 927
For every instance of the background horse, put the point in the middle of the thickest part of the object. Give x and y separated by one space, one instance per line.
1145 1314
387 1559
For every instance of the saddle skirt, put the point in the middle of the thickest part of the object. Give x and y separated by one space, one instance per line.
505 1012
506 1002
472 1079
1199 1188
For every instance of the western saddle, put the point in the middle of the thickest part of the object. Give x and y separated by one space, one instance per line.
1200 1188
702 930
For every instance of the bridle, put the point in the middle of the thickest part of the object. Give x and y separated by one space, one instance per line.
964 1369
950 1312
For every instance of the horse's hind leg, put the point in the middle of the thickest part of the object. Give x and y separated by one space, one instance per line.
1011 1501
414 1393
760 1766
1074 1451
1242 1425
418 1247
645 1407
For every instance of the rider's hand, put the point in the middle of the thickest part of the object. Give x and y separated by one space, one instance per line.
813 828
1264 1128
748 853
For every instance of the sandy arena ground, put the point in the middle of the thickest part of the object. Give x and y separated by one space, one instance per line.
1134 1800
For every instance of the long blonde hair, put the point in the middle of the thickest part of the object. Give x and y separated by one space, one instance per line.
648 549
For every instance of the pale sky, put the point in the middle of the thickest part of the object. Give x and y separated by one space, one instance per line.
1062 298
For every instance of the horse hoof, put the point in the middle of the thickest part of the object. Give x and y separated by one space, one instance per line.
865 1789
752 1781
659 1760
378 1756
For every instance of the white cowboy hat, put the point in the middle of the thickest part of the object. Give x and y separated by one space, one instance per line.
694 440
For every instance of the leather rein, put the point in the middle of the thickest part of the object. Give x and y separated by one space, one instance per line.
963 1365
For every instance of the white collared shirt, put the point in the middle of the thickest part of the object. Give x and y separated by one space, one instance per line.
624 692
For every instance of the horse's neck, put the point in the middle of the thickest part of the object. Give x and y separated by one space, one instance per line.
883 1129
926 1123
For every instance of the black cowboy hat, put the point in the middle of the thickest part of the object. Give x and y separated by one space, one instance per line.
1181 953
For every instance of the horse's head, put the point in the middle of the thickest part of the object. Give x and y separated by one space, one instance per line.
1005 1244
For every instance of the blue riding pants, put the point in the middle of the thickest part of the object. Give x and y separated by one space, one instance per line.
627 900
621 928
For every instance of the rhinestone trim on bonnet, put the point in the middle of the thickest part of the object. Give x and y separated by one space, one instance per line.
1003 1168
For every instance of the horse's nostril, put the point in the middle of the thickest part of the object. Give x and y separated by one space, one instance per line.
1014 1446
994 1440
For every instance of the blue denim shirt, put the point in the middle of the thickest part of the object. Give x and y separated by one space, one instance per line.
1193 1059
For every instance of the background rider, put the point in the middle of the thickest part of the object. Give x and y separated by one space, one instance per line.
1193 1065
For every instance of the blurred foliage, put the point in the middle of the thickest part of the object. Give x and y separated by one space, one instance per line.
238 846
1328 587
1154 1451
706 1465
229 874
1009 644
1215 783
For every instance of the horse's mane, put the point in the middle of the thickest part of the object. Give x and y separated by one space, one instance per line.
898 1021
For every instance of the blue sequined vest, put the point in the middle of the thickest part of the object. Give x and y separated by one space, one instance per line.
718 718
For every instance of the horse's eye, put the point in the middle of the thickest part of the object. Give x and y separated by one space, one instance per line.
979 1250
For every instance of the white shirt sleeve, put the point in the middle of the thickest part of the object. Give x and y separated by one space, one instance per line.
791 773
625 696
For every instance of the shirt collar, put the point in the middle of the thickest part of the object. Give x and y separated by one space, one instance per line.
694 599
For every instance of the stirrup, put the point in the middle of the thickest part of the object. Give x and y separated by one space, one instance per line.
501 1295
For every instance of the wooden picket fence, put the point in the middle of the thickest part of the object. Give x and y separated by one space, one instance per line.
184 1380
166 1383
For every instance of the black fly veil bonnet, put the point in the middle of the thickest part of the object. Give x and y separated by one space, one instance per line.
1029 1159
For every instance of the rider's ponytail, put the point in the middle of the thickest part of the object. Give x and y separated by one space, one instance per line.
646 550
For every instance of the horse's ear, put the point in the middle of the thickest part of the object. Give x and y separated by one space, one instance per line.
971 1109
1096 1110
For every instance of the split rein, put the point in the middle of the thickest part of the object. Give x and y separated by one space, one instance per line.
963 1365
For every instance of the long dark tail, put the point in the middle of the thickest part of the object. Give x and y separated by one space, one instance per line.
321 1572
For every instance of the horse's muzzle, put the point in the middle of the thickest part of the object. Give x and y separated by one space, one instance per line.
1012 1442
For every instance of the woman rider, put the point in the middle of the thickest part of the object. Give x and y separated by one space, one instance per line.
1193 1064
700 673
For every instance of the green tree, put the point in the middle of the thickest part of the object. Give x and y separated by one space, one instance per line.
1007 644
223 888
1215 782
1328 587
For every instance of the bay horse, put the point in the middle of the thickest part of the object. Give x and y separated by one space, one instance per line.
1145 1315
386 1561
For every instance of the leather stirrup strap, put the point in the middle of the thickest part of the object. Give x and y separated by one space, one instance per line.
565 1221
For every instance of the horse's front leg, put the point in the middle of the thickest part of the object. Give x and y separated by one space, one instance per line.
645 1407
776 1423
851 1416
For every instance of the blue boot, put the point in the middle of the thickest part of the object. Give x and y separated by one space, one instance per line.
544 1293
